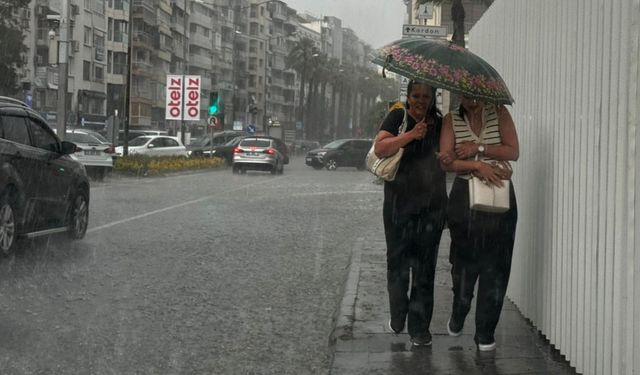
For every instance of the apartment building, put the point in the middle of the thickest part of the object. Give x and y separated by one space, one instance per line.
87 61
238 47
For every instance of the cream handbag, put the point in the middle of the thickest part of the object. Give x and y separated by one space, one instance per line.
488 198
386 168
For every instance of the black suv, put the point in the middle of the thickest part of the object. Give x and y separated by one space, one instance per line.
340 153
42 189
202 146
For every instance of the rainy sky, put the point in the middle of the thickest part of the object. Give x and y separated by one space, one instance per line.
377 22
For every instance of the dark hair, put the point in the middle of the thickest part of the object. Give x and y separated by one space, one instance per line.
462 111
433 110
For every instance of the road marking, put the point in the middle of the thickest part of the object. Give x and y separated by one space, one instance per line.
183 204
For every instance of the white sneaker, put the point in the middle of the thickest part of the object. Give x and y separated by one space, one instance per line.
451 333
487 347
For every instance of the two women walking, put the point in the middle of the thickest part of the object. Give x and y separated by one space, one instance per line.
473 140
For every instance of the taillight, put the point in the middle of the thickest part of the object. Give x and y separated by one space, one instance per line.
110 150
237 150
269 151
78 148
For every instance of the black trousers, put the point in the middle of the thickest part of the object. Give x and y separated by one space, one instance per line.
412 251
481 250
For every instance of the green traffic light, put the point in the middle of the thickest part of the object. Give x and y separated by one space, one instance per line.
214 103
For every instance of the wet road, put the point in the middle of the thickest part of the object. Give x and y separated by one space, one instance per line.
201 273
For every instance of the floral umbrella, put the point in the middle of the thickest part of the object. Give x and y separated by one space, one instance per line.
444 65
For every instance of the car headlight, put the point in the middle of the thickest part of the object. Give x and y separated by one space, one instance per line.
189 152
321 153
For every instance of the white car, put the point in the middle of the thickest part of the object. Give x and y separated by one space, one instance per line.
155 145
94 151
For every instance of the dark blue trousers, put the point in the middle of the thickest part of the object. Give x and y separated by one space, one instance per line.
481 251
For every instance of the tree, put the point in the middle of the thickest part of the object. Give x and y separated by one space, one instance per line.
299 58
11 45
457 17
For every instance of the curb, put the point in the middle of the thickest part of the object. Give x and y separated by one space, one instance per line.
343 328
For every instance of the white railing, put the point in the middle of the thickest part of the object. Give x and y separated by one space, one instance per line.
572 67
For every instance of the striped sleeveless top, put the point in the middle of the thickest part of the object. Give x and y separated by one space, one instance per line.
489 134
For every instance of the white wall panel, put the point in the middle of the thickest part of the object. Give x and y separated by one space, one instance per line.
572 67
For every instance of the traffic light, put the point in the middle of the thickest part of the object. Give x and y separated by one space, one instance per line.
214 103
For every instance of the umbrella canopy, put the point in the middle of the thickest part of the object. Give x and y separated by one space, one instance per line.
445 65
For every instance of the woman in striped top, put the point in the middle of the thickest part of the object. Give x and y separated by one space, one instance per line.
477 139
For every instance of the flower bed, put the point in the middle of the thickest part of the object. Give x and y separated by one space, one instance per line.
141 165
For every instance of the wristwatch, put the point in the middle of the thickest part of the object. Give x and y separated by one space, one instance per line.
481 148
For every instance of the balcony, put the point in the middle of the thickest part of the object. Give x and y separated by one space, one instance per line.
164 55
200 61
142 39
142 68
200 19
201 41
143 12
278 14
177 26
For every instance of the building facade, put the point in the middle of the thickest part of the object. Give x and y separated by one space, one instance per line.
120 53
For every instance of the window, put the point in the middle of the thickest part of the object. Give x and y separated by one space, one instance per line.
118 4
119 63
98 43
86 70
98 6
119 30
168 142
14 129
99 73
40 137
88 36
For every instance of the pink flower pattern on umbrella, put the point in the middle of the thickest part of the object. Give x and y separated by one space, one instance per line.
456 78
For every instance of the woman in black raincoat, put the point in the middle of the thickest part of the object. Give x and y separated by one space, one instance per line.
413 210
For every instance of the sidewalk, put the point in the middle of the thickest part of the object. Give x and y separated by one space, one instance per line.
364 345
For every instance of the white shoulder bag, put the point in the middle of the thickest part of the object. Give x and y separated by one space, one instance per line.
386 168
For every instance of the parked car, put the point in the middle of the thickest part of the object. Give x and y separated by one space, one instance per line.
43 190
93 151
155 132
260 153
340 153
201 145
155 145
224 151
133 134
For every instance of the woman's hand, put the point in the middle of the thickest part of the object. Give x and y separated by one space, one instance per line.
490 174
419 131
504 170
466 149
446 158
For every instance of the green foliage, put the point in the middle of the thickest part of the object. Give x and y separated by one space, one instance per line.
11 44
143 165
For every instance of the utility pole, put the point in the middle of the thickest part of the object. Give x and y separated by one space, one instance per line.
127 94
185 67
63 69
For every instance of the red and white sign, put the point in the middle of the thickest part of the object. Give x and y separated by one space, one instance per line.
192 98
174 98
183 98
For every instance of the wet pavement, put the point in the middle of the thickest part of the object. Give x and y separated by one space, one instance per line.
364 344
